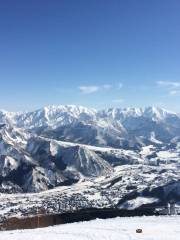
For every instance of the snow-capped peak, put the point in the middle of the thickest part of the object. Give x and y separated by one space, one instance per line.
157 113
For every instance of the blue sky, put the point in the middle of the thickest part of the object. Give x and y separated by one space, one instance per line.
97 53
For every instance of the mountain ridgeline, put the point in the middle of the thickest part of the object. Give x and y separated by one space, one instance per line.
126 128
65 145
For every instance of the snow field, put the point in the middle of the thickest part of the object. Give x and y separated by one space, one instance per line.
154 228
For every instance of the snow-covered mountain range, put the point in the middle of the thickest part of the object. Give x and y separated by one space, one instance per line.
126 128
108 157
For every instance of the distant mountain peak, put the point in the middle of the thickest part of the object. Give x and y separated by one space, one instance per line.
60 145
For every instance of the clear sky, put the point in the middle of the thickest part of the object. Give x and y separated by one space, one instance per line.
96 53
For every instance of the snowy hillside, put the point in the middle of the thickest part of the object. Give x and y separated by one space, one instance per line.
154 228
122 158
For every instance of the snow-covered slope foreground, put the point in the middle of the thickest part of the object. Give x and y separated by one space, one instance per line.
119 158
154 228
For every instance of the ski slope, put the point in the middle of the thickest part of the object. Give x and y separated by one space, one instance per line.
154 228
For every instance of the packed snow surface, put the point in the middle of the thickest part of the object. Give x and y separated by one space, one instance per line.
154 228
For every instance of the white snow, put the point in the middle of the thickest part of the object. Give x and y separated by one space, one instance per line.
154 228
165 155
146 150
135 203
